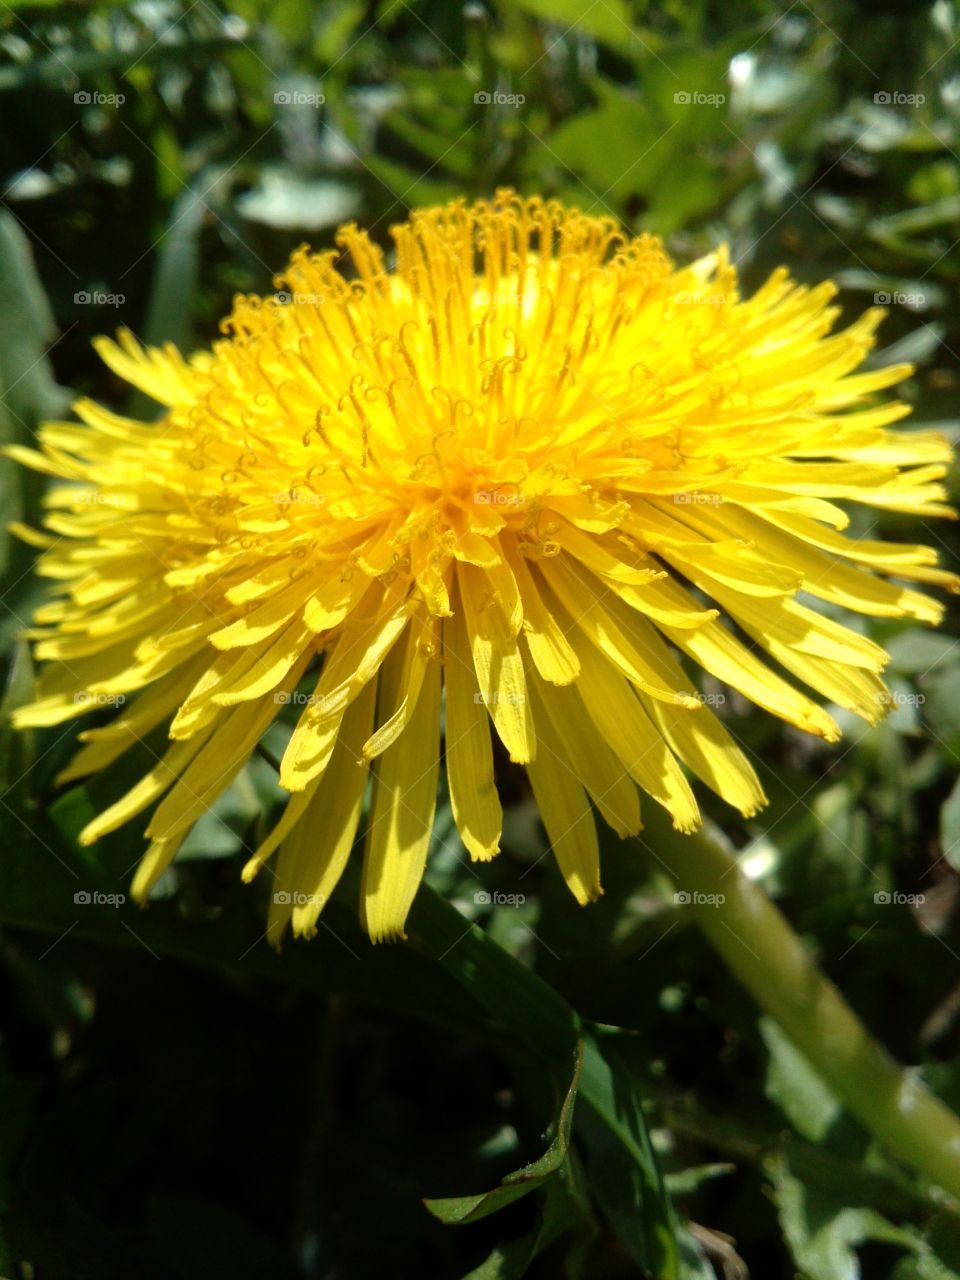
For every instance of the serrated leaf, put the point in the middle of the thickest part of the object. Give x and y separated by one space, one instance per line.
824 1233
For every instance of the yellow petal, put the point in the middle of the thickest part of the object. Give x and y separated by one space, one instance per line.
498 663
401 815
312 858
566 814
469 754
551 651
587 756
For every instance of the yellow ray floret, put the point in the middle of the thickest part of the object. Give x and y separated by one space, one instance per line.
522 481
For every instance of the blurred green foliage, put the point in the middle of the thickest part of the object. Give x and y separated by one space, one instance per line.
574 1092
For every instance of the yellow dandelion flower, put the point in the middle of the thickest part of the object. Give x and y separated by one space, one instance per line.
502 484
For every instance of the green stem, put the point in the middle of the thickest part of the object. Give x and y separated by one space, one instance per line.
762 950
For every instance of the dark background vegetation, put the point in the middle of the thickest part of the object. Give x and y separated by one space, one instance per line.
176 1101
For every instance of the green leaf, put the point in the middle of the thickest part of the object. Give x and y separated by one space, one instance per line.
407 188
950 827
942 706
822 1231
917 347
462 1209
17 746
174 285
619 167
27 329
565 1210
434 143
609 22
625 1175
507 1261
902 232
694 1263
795 1087
28 391
687 1181
517 1002
915 652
